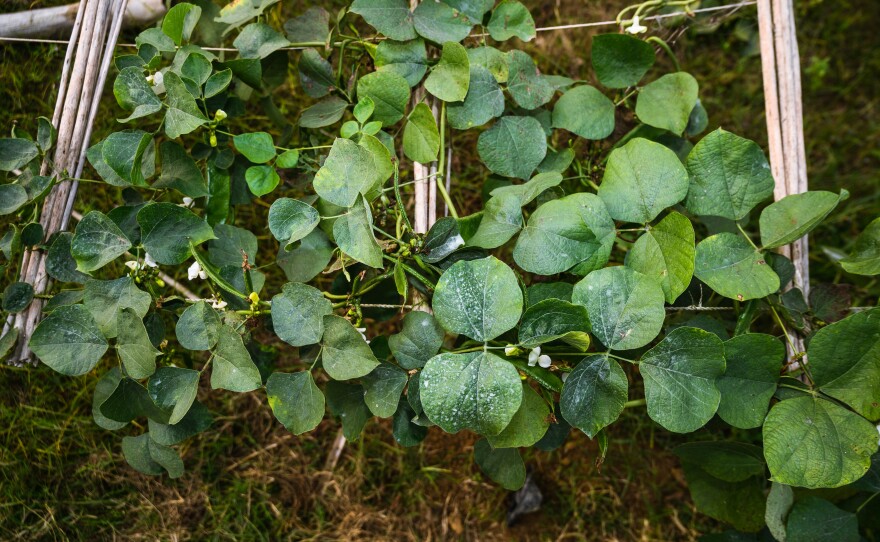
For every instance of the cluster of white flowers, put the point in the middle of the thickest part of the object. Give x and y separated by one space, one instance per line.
158 82
537 358
217 303
363 332
134 265
195 271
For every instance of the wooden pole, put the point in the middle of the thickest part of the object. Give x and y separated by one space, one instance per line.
59 20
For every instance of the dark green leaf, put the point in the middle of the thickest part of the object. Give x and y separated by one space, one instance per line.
17 296
865 257
754 362
316 74
513 146
183 114
261 180
511 19
15 153
347 402
173 389
418 341
103 390
437 22
525 84
167 231
134 94
383 387
295 400
345 354
196 420
504 466
324 113
796 215
816 520
408 59
586 112
298 314
234 370
528 425
133 345
258 40
594 394
553 319
621 61
389 91
484 101
390 17
728 264
105 298
198 327
97 242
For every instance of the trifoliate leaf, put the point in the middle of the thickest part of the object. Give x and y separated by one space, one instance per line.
666 252
449 79
389 91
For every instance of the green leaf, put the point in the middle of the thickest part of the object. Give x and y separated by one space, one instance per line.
810 442
69 341
418 341
438 22
347 172
105 298
303 263
233 246
511 19
528 88
844 362
312 25
316 74
134 94
553 319
15 153
124 153
739 503
408 59
729 176
586 112
180 21
383 388
131 400
347 402
183 114
179 171
796 215
478 298
666 252
218 82
354 235
779 502
173 389
528 425
60 265
865 256
298 314
621 61
680 374
813 519
324 113
390 17
594 394
167 231
642 178
389 91
492 59
136 451
17 296
421 139
502 219
259 40
261 180
196 420
103 390
728 264
290 220
513 146
96 242
198 327
295 400
668 101
625 307
504 466
450 77
345 354
477 391
133 344
754 362
257 147
234 370
12 197
407 433
531 189
727 461
484 101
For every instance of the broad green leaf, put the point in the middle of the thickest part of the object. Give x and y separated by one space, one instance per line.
69 341
408 59
167 458
641 179
478 298
594 394
218 82
312 25
513 146
390 17
131 400
553 319
290 220
261 180
173 389
179 171
586 112
474 9
345 354
298 314
295 400
133 345
813 519
450 77
813 443
865 257
418 341
195 67
484 101
105 298
740 504
729 175
666 252
571 232
303 263
528 425
196 420
477 391
680 375
389 91
421 139
354 235
315 74
668 101
796 215
502 219
621 61
383 387
731 266
779 502
754 362
844 361
198 327
180 21
511 19
136 451
12 197
727 461
183 114
406 432
347 401
324 113
257 147
167 231
15 153
96 242
125 153
438 22
288 159
233 370
60 265
528 88
233 246
383 166
531 189
103 390
625 307
134 94
504 466
347 172
492 59
259 40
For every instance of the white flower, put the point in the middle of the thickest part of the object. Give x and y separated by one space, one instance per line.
362 331
132 264
544 361
217 304
149 261
510 350
533 356
187 201
636 27
195 270
158 83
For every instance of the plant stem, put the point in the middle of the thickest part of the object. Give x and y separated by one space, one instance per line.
441 165
635 403
400 208
749 239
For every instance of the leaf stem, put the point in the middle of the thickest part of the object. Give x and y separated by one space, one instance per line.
635 403
749 239
441 165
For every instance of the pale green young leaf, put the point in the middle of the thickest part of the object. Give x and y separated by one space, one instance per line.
666 252
668 101
347 172
257 147
492 59
180 21
531 189
450 78
261 180
865 257
502 219
728 264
